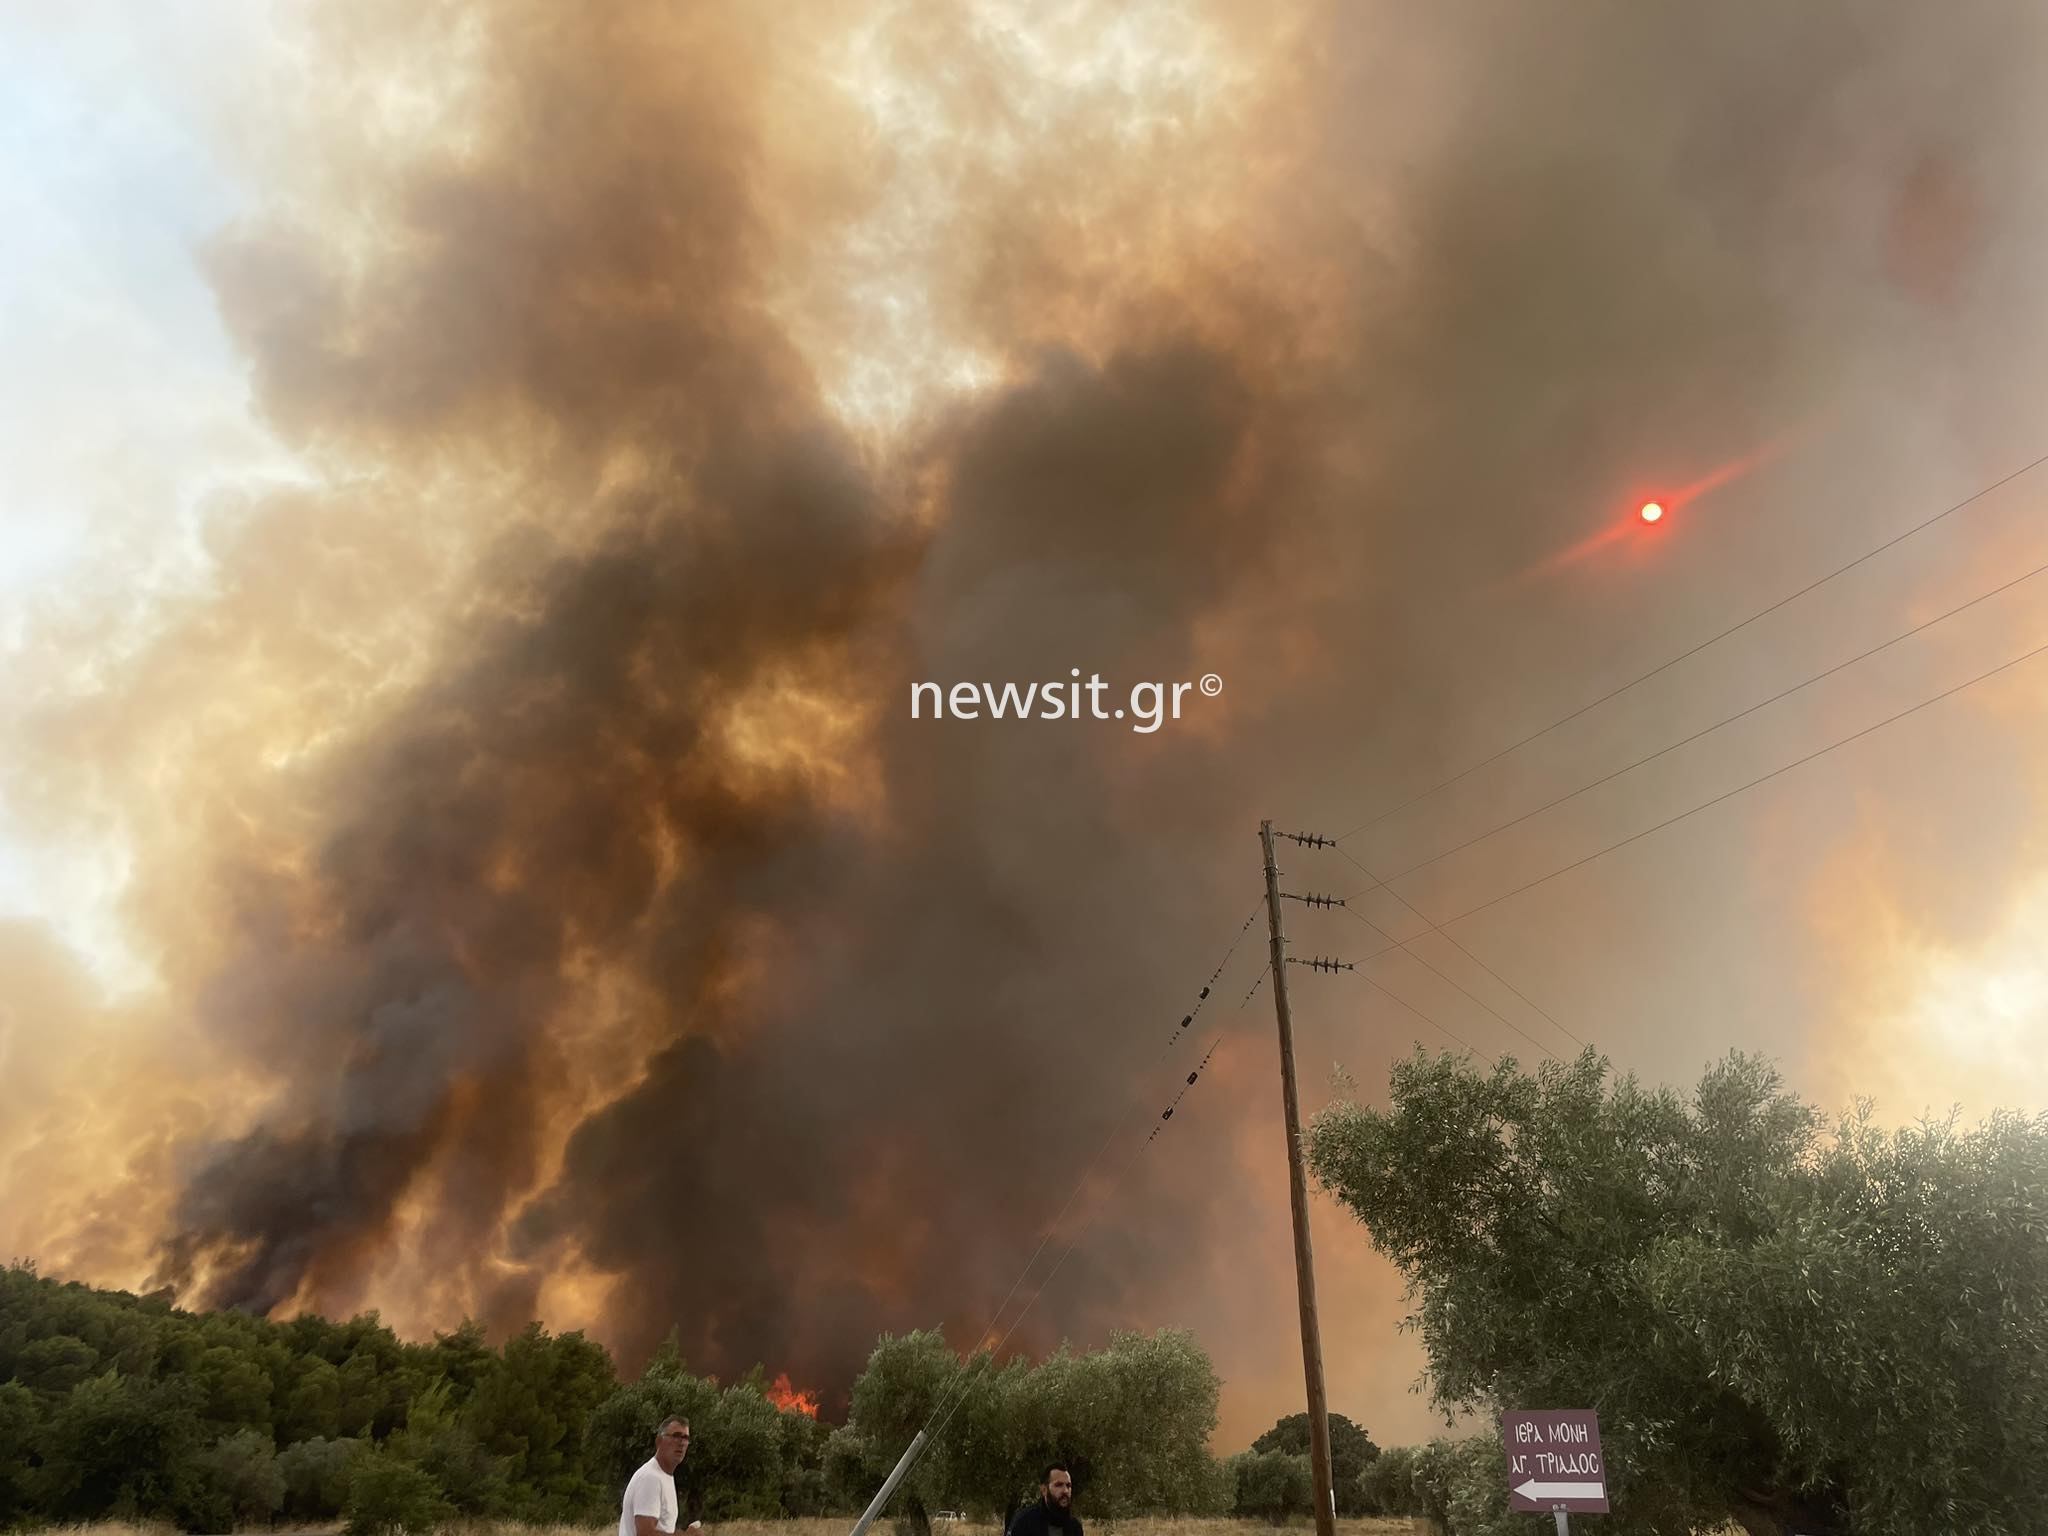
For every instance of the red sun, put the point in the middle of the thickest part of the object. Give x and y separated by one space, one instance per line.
1652 511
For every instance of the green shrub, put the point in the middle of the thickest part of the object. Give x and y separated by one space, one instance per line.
390 1497
1272 1486
316 1477
232 1483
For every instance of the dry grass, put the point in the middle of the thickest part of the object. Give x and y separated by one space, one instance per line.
1144 1526
836 1526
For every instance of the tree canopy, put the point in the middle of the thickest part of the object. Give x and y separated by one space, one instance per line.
1351 1452
118 1406
1781 1324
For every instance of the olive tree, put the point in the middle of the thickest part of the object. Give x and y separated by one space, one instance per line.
1781 1324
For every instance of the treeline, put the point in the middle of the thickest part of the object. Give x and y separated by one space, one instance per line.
117 1406
114 1406
1458 1485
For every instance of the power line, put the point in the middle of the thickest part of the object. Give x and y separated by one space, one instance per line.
1711 640
1391 944
1669 821
1432 1023
1449 938
1394 943
1785 693
1200 1067
1388 948
1257 983
1202 998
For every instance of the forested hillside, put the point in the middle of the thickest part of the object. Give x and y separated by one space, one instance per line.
118 1405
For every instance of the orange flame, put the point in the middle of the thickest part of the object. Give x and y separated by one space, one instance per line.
789 1400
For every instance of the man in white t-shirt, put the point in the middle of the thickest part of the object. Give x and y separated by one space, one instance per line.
649 1507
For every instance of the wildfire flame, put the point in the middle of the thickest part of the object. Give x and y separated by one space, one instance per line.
789 1400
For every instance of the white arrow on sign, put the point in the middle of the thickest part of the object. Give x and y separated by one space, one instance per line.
1535 1490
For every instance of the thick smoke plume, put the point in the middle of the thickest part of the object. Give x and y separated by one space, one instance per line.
560 912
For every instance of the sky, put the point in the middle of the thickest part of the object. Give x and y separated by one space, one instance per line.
481 486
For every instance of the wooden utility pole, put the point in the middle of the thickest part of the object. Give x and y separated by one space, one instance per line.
1297 1197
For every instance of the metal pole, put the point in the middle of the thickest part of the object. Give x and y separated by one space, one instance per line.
1564 1522
881 1499
1297 1199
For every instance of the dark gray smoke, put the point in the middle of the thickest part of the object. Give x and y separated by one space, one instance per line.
638 932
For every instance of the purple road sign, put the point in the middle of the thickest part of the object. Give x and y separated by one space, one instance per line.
1554 1461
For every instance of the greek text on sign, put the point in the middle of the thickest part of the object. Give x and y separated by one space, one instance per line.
1554 1461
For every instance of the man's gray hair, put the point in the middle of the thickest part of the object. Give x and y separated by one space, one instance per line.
674 1418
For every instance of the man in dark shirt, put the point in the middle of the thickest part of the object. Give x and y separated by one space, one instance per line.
1053 1514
